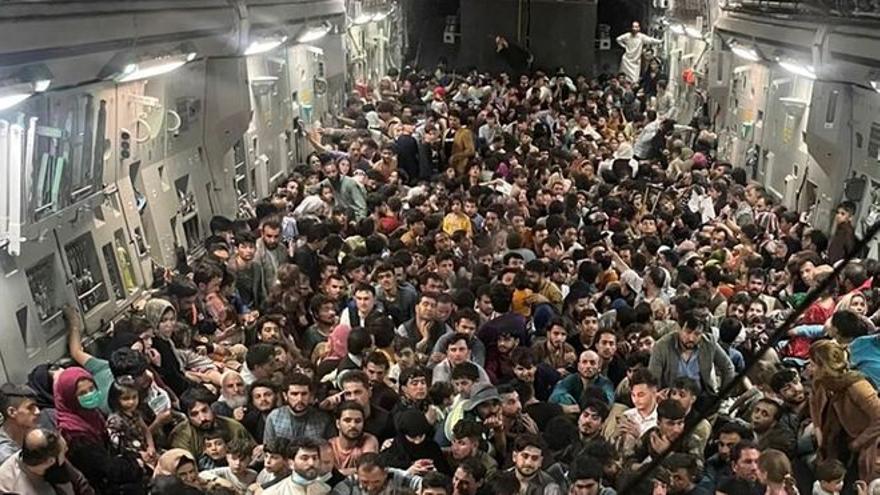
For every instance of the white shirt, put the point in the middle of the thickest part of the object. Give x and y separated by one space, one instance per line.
645 423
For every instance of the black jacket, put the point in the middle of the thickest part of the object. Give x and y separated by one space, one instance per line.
107 473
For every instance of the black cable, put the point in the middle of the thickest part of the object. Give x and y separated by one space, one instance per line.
646 470
528 24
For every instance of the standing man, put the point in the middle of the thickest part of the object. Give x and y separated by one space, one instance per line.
270 253
633 43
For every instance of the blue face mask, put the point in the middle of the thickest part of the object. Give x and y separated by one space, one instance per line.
91 400
299 480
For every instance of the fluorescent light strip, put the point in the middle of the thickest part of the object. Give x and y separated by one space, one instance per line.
314 34
798 69
10 101
264 46
135 72
749 54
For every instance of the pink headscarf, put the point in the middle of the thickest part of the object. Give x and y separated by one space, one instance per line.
74 421
338 340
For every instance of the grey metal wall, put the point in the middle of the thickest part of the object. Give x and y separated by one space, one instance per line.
562 33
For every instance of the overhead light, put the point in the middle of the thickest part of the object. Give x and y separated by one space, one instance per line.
745 52
876 86
693 32
798 69
362 19
677 29
13 92
42 85
9 101
154 67
264 45
315 33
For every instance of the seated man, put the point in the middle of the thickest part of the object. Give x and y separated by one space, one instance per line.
190 435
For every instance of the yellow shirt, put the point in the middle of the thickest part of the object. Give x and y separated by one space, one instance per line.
453 222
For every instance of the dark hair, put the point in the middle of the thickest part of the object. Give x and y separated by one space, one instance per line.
600 406
501 297
523 356
300 380
245 237
349 405
467 428
688 462
117 390
205 272
259 355
361 287
355 376
193 395
585 468
686 383
504 483
127 361
729 329
527 440
466 314
458 337
465 370
830 470
304 443
736 427
850 324
670 409
379 359
739 448
359 340
241 447
643 376
434 479
474 467
781 378
278 445
414 372
370 460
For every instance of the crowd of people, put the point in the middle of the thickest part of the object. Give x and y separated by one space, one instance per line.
477 284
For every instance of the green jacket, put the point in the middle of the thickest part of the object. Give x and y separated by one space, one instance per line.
185 436
350 194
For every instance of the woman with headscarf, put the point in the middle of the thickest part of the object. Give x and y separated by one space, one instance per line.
163 318
337 342
414 443
82 425
845 408
176 472
40 380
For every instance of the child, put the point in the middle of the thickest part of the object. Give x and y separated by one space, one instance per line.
126 426
456 219
275 466
829 477
236 475
214 451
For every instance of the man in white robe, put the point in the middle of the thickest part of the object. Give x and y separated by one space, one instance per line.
633 43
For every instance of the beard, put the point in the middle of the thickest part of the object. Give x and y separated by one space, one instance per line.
235 401
207 425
